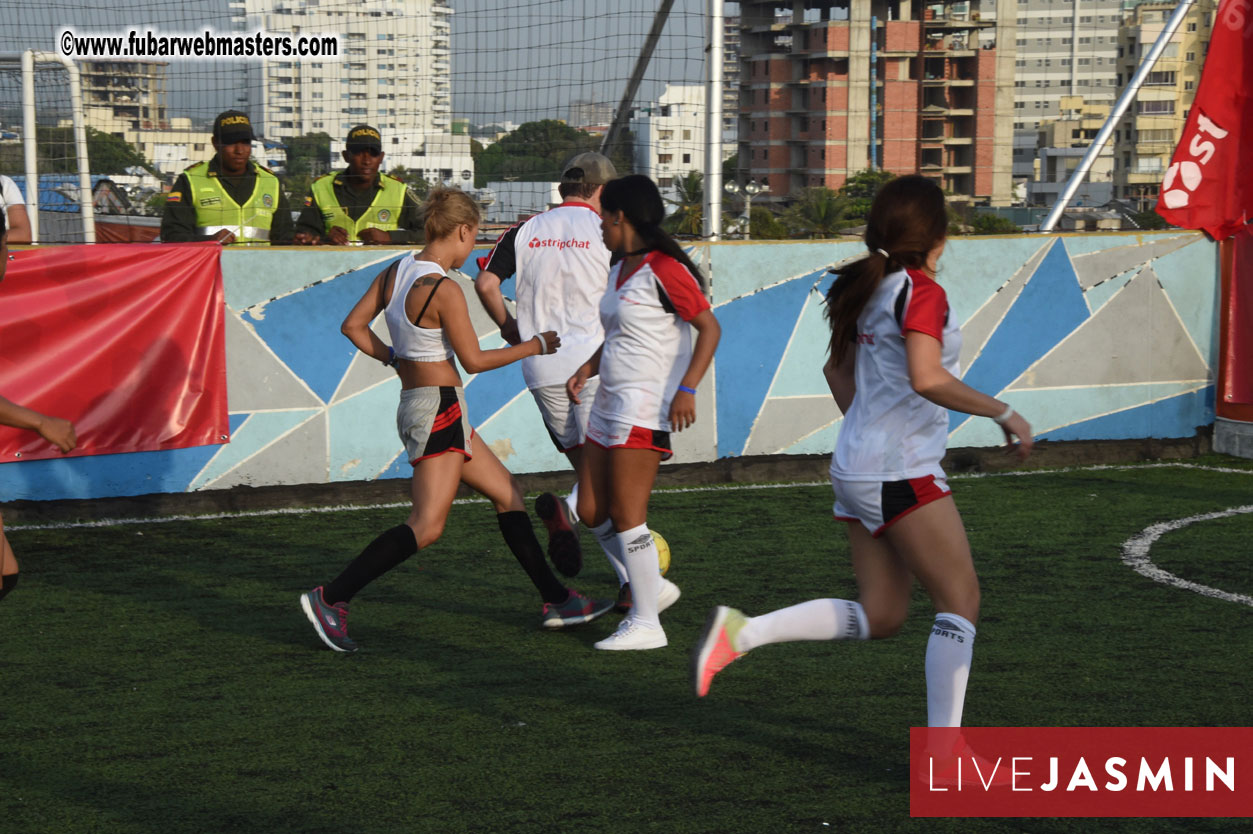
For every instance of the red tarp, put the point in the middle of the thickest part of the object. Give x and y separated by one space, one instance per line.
124 340
1209 184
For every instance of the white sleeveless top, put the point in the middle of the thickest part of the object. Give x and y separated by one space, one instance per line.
417 344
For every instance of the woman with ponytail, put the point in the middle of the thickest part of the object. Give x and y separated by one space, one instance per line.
893 371
649 371
428 323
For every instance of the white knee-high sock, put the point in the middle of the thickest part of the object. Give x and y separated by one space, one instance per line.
572 504
640 555
948 668
608 538
818 619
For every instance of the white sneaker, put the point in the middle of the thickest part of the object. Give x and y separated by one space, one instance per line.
668 596
631 636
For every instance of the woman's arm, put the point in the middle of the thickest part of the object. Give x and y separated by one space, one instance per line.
454 318
842 378
929 379
589 369
56 431
19 224
357 326
708 333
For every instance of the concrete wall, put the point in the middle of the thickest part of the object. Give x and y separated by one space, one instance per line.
1090 336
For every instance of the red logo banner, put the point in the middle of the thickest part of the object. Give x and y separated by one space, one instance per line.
1081 772
127 341
1209 184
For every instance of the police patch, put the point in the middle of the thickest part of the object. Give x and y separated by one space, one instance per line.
384 215
211 201
267 200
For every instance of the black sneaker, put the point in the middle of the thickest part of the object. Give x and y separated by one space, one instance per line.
330 621
563 542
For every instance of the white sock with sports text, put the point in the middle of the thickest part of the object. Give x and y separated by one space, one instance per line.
818 619
572 504
640 555
608 538
948 668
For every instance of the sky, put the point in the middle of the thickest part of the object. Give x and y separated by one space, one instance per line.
514 60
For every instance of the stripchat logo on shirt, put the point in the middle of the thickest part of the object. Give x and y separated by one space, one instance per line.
545 243
1081 772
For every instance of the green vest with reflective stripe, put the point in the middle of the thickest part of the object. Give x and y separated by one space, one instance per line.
383 213
217 210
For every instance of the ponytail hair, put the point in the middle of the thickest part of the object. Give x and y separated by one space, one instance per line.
637 197
907 220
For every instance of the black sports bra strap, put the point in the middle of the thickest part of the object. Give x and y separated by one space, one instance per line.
418 320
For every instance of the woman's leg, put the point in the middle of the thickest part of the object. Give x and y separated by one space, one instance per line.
8 564
486 475
432 488
932 543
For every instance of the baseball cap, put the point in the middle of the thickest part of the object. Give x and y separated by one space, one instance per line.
589 167
363 138
231 127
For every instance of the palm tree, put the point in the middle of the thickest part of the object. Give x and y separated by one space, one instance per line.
816 213
688 218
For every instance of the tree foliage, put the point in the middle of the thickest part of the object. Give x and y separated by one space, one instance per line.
309 154
858 192
688 217
816 213
536 152
106 153
763 225
986 223
1149 220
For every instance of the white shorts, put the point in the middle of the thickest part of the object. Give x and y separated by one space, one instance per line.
432 421
566 421
615 434
880 504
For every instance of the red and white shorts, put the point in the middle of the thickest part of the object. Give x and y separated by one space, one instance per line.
879 504
615 434
433 420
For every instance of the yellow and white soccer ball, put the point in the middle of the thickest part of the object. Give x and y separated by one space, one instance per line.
663 552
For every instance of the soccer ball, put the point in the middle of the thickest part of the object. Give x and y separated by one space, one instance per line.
663 552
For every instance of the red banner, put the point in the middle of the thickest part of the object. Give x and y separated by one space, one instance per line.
1081 772
1209 184
125 341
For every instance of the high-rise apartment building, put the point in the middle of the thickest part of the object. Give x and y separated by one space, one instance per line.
1066 49
394 71
1146 137
126 92
670 136
829 89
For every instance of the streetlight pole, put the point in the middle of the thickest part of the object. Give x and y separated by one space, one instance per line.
747 192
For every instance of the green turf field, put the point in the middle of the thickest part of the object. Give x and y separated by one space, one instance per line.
160 677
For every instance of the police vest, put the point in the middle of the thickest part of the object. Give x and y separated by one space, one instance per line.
383 213
217 210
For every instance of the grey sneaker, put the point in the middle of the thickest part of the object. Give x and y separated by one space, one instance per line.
330 621
577 609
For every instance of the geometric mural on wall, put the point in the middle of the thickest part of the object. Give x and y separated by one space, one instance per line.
1089 336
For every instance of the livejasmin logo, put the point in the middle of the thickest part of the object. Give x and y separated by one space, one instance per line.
1081 772
1150 777
1187 172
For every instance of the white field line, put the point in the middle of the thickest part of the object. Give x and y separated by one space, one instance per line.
118 522
1135 554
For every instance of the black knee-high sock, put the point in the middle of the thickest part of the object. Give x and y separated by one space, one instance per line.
381 555
8 583
516 527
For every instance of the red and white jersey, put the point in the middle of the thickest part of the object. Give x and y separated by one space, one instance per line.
891 433
562 270
648 341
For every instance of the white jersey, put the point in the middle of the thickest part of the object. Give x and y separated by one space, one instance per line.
648 341
890 432
10 195
562 270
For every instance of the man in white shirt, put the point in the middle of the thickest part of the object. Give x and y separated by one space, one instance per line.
14 207
561 267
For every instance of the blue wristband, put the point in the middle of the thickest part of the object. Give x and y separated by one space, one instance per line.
687 390
391 357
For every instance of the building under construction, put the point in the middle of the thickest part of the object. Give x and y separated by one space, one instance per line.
828 89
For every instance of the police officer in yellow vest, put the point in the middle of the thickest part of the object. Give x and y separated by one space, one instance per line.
360 205
229 198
